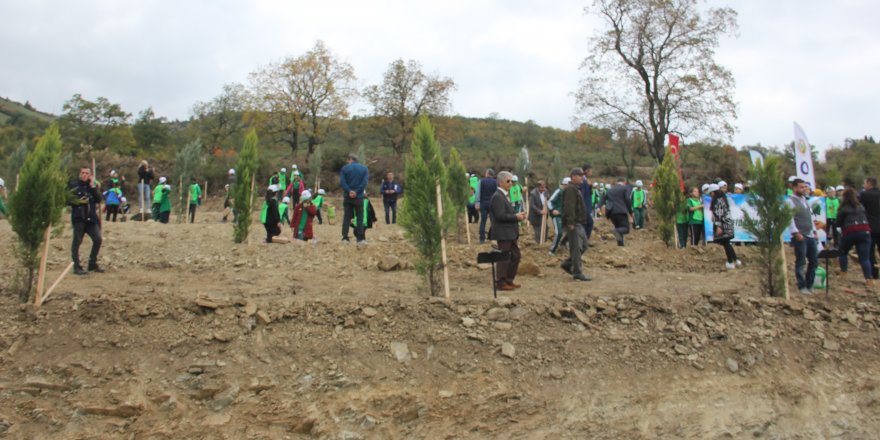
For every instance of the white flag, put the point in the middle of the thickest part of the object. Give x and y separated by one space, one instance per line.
756 157
803 157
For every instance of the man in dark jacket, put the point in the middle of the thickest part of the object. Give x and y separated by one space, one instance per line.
618 208
574 215
537 209
485 192
870 199
390 192
505 230
85 219
586 188
353 179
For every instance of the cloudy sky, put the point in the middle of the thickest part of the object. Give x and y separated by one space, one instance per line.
810 61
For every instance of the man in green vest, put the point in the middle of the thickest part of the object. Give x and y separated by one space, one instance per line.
195 199
473 212
516 197
640 205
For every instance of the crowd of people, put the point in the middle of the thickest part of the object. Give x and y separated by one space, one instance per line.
500 206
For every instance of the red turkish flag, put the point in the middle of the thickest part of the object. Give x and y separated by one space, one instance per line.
673 144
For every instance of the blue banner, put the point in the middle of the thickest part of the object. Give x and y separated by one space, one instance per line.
739 205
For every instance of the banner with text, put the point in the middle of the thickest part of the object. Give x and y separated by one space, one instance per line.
739 205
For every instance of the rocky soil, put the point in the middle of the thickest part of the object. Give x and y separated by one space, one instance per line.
188 335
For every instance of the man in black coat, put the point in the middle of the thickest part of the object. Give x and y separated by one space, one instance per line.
85 219
537 202
870 199
618 208
505 230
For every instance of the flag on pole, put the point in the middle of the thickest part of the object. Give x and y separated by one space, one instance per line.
757 157
673 144
803 157
675 149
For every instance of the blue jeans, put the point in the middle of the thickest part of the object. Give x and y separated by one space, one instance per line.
862 242
805 261
390 208
484 215
588 227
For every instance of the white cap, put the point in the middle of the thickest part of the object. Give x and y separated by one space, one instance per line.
321 192
639 183
738 185
273 188
305 195
113 173
515 179
285 200
830 188
840 188
791 179
705 187
283 170
226 186
722 184
713 187
294 166
232 171
296 173
566 180
2 182
162 180
124 200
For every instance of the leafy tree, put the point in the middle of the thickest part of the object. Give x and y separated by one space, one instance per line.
221 118
458 189
98 125
16 160
308 94
38 202
316 163
186 162
150 132
406 93
418 213
362 154
768 189
668 197
246 170
652 70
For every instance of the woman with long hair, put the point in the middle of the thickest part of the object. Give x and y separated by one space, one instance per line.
722 224
695 207
856 231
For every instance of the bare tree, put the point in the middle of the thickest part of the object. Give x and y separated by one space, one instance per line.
652 70
405 94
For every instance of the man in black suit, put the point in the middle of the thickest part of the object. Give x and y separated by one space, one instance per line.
618 208
505 230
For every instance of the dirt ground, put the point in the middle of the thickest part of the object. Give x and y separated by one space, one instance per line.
188 335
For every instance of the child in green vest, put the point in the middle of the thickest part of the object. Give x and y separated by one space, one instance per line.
318 201
695 207
640 205
832 205
195 198
282 211
112 200
164 191
516 197
303 214
157 200
682 223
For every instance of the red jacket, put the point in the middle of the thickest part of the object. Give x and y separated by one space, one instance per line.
290 189
311 211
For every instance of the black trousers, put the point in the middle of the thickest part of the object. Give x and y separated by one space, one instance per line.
506 272
353 208
80 229
728 249
875 238
271 231
192 212
112 210
320 220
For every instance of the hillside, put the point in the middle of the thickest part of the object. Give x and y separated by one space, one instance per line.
9 110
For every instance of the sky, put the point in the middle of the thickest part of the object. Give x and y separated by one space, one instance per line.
809 61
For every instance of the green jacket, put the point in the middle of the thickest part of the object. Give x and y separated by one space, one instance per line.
195 194
682 216
516 193
318 201
282 213
697 215
640 198
165 199
832 204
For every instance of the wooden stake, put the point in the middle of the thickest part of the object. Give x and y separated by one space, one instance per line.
41 275
186 207
785 292
55 284
442 244
180 197
467 226
205 196
142 196
544 225
17 176
525 196
253 177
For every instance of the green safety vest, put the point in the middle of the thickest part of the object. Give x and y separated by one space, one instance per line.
282 210
195 191
515 193
165 200
696 216
318 201
638 198
832 204
282 181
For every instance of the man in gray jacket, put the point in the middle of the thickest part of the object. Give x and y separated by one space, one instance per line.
505 230
618 208
574 215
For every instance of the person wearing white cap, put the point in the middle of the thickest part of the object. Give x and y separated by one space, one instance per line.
555 206
295 187
639 205
722 185
282 181
695 214
790 190
271 218
722 225
303 214
318 201
832 205
516 195
738 188
283 211
227 204
163 199
3 210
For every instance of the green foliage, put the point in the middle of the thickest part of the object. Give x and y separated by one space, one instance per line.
557 171
246 170
38 201
859 159
458 187
418 213
150 133
774 216
98 125
668 197
316 162
188 159
362 154
16 161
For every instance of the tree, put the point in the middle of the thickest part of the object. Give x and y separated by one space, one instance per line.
773 216
187 160
315 165
308 94
652 70
557 171
668 197
424 170
523 163
149 131
38 202
221 118
458 190
406 93
99 125
246 170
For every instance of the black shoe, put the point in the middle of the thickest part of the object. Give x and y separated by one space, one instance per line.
565 267
79 270
582 277
96 269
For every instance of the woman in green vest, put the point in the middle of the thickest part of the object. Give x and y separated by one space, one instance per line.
832 205
695 207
